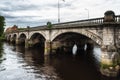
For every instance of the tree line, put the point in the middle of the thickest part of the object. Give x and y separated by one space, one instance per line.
2 24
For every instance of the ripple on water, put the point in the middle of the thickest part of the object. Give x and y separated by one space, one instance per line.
16 65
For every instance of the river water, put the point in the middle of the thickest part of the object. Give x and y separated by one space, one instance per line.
17 63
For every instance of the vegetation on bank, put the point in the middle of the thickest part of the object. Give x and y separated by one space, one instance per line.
21 28
2 38
2 24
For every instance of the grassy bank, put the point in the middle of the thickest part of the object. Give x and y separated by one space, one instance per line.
2 39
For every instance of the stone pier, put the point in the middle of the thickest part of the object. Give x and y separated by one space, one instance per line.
47 48
110 57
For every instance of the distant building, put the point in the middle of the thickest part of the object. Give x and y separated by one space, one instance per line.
10 29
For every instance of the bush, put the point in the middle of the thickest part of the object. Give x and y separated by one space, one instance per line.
2 38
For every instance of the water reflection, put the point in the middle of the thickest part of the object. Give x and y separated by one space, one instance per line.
0 52
31 64
37 63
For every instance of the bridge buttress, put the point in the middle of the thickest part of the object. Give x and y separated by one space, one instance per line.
28 43
109 56
17 41
47 48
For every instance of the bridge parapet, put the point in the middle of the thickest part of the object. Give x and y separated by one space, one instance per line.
88 22
79 23
72 24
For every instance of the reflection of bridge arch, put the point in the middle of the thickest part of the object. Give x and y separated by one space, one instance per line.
86 33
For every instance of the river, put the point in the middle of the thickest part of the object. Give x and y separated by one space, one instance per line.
17 63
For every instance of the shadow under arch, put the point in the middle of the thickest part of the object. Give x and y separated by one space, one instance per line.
8 38
14 37
22 39
64 42
38 40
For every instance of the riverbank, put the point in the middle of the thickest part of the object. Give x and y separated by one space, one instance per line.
2 39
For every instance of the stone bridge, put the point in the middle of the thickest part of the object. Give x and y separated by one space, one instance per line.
104 32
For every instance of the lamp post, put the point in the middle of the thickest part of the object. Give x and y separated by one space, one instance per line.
28 29
59 11
49 25
87 12
27 44
17 39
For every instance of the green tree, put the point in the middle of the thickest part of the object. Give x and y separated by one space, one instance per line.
2 24
49 25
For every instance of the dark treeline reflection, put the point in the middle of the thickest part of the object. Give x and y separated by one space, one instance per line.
31 64
1 51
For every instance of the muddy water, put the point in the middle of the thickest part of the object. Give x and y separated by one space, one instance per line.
16 63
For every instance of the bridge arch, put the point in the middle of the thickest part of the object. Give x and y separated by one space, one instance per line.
65 41
42 33
83 32
14 37
22 37
8 37
37 40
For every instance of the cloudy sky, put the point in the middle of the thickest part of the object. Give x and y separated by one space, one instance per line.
37 12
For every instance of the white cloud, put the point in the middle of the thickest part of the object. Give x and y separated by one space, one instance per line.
38 12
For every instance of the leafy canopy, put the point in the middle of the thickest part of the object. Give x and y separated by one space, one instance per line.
2 24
